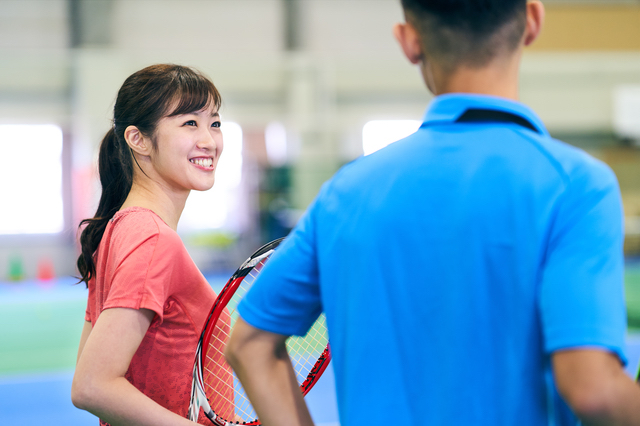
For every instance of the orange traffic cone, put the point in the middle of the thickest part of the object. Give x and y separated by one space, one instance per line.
45 269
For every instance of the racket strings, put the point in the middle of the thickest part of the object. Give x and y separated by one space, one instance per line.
228 403
304 351
229 400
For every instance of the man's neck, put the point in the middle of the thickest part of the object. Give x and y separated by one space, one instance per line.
499 78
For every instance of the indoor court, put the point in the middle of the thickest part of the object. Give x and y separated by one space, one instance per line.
307 86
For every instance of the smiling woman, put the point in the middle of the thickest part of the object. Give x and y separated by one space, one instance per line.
180 155
219 207
147 300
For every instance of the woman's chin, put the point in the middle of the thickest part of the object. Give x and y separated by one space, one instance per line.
203 186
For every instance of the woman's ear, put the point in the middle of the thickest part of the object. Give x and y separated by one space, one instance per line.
138 142
409 41
535 20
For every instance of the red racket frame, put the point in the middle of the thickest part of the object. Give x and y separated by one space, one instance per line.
220 304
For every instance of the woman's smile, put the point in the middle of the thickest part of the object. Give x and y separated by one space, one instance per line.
205 163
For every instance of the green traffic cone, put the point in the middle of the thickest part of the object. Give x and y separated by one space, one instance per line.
16 269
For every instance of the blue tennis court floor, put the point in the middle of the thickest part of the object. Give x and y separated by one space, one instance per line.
27 400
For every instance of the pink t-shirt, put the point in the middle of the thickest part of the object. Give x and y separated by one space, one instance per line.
142 263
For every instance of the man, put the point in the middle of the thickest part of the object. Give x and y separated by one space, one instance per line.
471 274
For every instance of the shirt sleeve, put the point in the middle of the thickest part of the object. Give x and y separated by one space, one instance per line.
285 299
141 274
582 289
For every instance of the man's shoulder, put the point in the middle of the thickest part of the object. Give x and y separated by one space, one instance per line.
575 164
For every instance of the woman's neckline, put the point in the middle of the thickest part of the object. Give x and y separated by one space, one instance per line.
137 209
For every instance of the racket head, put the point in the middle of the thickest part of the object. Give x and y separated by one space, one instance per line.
215 387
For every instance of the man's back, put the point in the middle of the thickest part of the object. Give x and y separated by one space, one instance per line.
432 257
466 271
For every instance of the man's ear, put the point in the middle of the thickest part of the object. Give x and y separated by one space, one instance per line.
139 143
535 20
409 41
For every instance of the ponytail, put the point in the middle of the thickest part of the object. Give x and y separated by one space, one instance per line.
116 176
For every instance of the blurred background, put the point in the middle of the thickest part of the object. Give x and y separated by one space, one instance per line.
308 85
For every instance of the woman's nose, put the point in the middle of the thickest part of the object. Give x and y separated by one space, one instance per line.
206 141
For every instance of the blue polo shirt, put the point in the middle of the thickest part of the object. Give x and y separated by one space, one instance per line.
450 265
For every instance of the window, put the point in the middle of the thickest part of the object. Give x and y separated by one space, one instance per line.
275 138
377 134
31 179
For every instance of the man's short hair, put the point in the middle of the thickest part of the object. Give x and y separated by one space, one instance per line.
467 32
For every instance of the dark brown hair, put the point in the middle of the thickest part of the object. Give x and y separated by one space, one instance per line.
145 97
469 32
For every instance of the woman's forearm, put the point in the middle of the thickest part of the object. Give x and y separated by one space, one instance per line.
118 402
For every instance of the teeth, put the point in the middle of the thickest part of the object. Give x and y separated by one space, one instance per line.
204 162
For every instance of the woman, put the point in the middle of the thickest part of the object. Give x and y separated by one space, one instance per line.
147 300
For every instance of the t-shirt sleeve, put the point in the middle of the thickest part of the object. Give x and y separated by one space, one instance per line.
582 290
285 298
142 272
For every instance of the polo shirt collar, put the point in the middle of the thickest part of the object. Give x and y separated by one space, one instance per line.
450 108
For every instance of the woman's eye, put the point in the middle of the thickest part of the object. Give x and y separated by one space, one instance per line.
190 123
216 124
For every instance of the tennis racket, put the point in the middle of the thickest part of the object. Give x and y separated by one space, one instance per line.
215 388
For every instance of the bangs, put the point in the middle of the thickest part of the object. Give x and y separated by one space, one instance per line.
193 92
